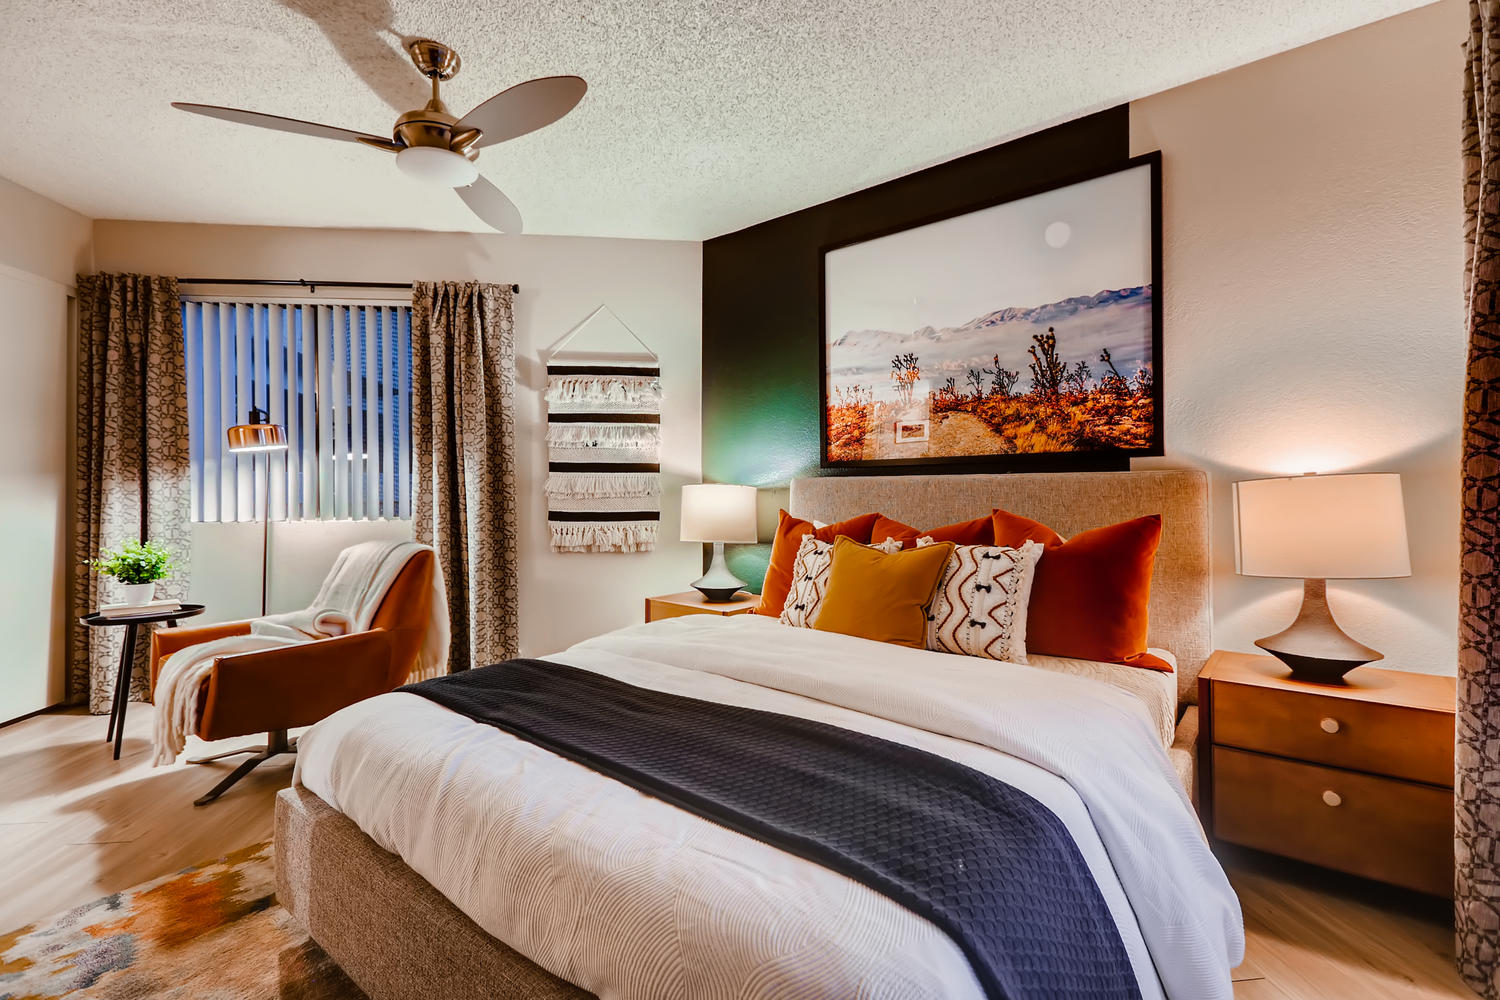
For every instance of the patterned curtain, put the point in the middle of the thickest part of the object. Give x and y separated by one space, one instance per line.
463 422
1477 799
131 470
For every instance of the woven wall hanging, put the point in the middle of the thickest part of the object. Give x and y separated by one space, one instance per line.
603 450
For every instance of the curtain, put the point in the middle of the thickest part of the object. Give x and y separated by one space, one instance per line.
131 471
463 402
1477 781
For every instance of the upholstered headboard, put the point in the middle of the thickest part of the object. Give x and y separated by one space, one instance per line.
1067 502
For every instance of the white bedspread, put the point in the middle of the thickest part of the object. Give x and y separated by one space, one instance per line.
629 897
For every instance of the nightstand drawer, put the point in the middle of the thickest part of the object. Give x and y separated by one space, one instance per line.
1395 740
1380 828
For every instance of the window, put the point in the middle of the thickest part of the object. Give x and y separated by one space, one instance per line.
337 376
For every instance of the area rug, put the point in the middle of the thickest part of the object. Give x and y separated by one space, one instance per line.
213 932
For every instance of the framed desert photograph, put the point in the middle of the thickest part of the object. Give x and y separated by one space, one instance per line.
1021 334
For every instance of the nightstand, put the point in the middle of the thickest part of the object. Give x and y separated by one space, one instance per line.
692 603
1355 777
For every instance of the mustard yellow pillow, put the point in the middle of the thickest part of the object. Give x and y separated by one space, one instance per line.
882 595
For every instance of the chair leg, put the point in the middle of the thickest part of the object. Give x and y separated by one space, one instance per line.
226 753
276 745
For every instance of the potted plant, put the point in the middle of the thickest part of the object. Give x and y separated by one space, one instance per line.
137 566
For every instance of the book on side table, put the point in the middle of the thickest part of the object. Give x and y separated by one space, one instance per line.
131 610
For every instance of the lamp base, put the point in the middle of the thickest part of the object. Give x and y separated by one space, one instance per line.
718 585
1314 646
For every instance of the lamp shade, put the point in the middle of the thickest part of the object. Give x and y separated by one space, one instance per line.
1344 527
257 437
718 512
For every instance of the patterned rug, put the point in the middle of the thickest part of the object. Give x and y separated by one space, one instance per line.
214 932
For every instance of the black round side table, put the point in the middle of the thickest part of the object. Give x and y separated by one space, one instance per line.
116 730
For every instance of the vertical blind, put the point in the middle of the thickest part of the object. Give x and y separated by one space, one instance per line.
337 376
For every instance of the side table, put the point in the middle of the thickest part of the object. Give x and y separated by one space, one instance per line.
132 623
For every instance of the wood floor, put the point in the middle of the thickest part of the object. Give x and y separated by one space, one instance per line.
77 825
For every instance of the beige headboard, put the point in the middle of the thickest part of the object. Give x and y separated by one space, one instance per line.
1068 502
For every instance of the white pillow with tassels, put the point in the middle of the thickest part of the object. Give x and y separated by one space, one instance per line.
980 605
810 572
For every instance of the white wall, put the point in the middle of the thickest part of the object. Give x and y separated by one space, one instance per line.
42 246
1314 317
655 287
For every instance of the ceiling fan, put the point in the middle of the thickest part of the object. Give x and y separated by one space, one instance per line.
432 144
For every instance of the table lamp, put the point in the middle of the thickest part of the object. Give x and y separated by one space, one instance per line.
258 435
1319 528
718 513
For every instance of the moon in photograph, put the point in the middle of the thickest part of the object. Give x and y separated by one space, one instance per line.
1058 234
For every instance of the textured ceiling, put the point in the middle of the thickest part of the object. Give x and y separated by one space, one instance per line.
701 118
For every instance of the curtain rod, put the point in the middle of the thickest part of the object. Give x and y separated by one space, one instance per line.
311 286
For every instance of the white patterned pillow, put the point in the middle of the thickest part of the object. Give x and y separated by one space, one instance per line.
980 605
810 571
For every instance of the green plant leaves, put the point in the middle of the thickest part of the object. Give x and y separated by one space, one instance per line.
135 562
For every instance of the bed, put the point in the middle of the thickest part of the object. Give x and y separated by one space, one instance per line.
433 856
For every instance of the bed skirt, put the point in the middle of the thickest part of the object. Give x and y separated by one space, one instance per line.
395 935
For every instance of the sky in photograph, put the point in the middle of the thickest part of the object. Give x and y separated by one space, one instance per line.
946 273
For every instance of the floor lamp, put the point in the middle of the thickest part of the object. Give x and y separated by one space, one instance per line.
259 434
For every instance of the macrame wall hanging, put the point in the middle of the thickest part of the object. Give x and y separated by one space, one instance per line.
603 448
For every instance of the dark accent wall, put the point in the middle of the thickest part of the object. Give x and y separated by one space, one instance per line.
760 301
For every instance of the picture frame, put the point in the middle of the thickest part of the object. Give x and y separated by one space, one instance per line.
907 431
977 337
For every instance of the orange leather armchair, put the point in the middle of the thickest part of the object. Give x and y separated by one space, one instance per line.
273 690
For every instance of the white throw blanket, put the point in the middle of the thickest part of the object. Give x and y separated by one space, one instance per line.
632 898
347 601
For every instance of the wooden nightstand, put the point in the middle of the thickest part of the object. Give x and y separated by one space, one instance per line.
692 603
1358 777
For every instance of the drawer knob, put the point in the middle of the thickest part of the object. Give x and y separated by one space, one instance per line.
1329 725
1332 798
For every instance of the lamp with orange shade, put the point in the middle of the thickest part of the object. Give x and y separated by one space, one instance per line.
1320 528
258 434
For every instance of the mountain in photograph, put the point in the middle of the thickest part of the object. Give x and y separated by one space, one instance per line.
1115 319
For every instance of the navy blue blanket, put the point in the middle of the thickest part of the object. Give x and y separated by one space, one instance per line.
988 864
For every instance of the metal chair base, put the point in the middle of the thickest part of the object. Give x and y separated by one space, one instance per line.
276 744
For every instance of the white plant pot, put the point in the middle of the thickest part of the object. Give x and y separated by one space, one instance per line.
136 593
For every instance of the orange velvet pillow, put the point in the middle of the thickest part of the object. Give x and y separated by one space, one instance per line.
980 531
789 532
882 595
1090 593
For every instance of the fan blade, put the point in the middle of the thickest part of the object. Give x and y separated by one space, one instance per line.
490 204
524 108
280 124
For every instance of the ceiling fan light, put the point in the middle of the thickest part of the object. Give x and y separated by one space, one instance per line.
437 166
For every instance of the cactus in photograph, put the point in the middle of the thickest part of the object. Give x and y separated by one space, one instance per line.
904 372
1002 379
1079 377
1047 370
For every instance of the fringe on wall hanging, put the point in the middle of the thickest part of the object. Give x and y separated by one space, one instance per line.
603 452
